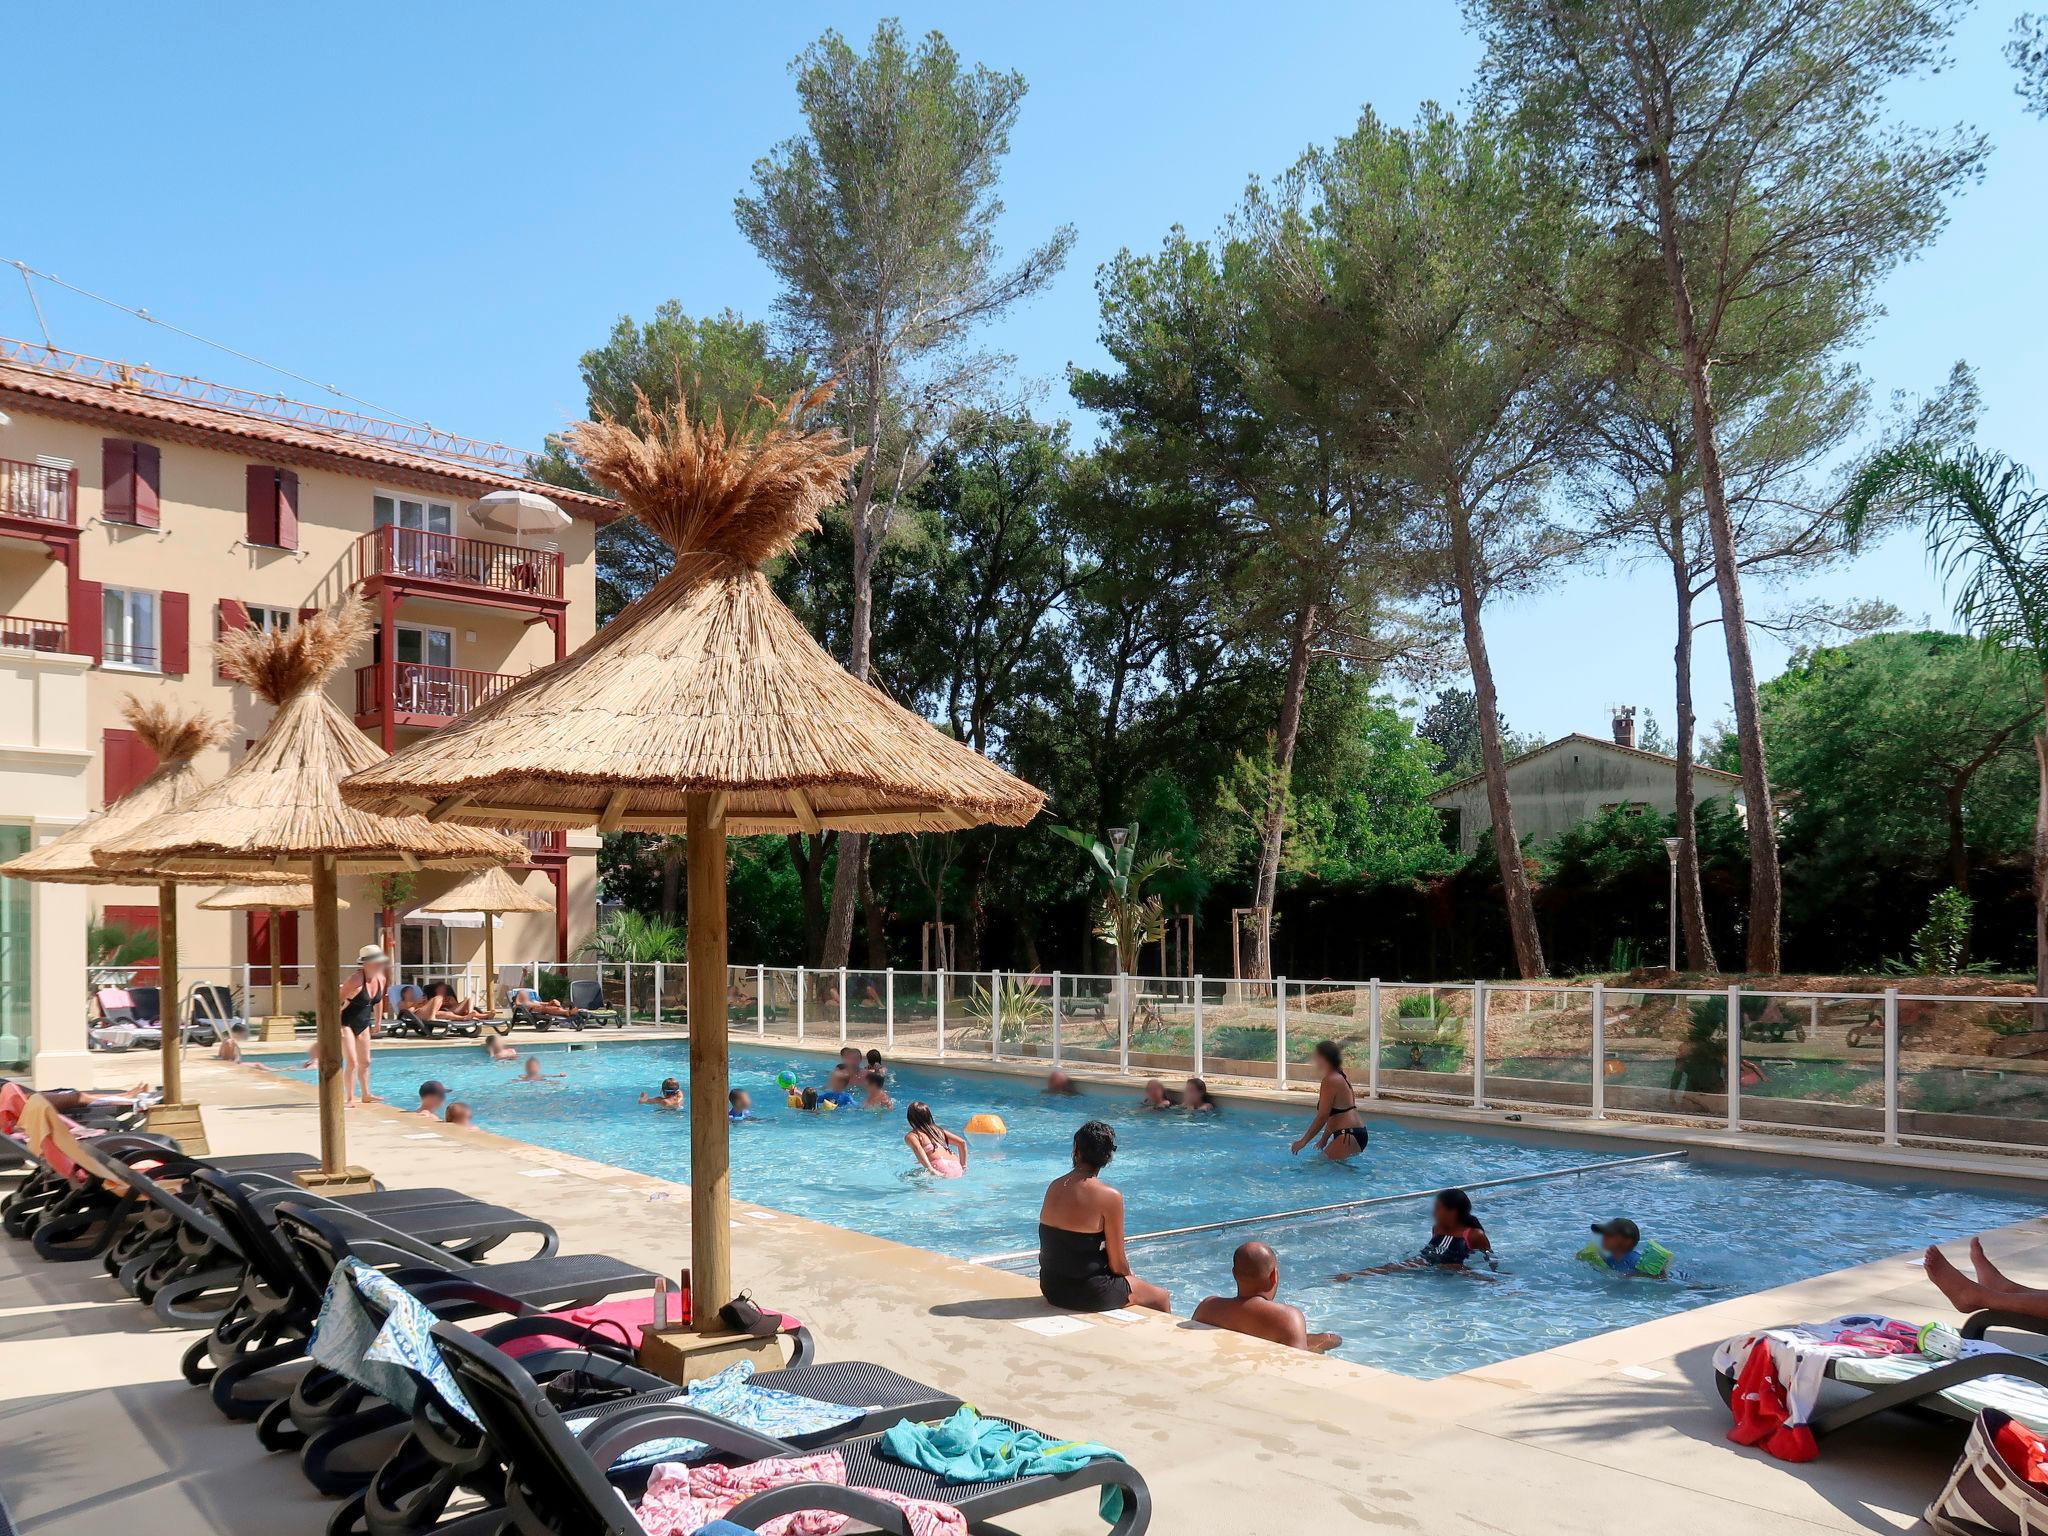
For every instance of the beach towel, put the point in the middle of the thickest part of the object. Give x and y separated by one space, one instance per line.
49 1135
732 1396
629 1316
387 1358
683 1499
968 1448
13 1099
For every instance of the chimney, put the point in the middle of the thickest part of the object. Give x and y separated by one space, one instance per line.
1624 725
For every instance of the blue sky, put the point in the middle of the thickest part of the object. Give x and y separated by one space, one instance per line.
438 208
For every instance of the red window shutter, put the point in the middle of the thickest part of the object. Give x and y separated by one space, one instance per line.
117 479
287 509
134 919
263 954
126 761
262 504
288 943
258 935
148 478
227 615
82 610
175 618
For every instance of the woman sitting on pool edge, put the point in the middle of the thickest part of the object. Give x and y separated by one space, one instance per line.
1081 1261
938 1151
1339 1123
1454 1236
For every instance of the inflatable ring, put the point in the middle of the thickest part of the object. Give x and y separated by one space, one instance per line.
986 1125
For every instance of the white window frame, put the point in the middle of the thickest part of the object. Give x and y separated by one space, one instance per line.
155 644
422 630
270 620
425 502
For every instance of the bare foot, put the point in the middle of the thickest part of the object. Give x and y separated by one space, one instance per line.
1963 1293
1987 1272
371 1098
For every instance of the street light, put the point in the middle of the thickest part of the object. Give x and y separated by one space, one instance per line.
1671 845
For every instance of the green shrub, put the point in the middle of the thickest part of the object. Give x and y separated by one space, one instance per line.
1702 1063
1418 1005
1943 942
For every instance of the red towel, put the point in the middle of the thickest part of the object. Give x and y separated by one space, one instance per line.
631 1314
1762 1417
2025 1452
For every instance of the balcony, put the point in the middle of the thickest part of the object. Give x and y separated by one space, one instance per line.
424 695
551 843
469 570
37 500
49 635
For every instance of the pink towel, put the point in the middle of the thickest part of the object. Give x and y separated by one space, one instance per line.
680 1499
13 1099
631 1314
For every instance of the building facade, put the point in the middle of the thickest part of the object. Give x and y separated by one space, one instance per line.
1574 779
141 516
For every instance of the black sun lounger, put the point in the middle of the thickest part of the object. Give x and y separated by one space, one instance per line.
1925 1393
555 1484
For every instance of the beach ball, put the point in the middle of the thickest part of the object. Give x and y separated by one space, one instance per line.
786 1080
1615 1067
986 1125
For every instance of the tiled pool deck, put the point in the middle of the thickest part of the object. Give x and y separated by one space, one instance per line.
99 1433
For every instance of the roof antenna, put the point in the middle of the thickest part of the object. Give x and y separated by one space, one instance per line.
35 304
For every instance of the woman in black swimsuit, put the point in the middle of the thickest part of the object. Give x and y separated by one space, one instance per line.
1081 1263
362 1005
1337 1118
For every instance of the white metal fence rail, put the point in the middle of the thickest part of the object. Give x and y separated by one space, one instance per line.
1883 1066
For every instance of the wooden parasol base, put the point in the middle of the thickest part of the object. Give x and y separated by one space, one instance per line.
350 1181
181 1123
278 1028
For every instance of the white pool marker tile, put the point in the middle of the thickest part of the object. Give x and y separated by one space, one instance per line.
424 1136
1051 1327
1641 1373
1123 1314
540 1173
762 1215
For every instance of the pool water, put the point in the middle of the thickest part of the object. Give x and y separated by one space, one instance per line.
1735 1230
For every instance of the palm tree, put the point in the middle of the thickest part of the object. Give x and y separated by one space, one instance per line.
1130 918
1987 534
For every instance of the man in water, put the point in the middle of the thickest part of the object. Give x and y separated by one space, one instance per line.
1254 1311
432 1097
1061 1084
671 1095
1618 1245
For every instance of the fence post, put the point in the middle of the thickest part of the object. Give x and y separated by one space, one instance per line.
1372 1039
1735 1058
1280 1031
1123 1021
1599 1050
629 994
842 1005
995 1015
799 1005
1479 1045
889 1007
248 997
1891 1066
760 1000
659 978
1198 1027
941 996
533 966
1055 1018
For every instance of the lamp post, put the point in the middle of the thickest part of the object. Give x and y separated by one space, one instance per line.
1671 857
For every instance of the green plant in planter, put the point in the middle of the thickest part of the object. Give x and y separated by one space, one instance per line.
1418 1005
1021 1005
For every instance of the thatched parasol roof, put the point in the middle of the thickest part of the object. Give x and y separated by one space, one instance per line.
708 683
293 896
177 736
279 807
490 890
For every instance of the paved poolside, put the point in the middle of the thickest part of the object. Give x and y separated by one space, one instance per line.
99 1433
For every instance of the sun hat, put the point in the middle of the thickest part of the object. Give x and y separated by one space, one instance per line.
368 953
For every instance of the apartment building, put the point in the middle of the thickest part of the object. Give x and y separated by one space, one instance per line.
141 516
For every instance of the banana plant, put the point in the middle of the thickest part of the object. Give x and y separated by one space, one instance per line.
1130 918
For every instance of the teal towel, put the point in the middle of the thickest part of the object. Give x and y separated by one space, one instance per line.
970 1449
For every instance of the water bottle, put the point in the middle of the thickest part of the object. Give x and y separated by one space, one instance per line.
1938 1341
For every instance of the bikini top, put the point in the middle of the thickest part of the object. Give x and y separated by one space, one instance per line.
1352 1107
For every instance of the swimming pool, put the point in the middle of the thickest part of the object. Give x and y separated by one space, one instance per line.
1735 1229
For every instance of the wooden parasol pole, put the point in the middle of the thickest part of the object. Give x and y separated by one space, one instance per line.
276 967
167 990
327 1011
490 964
710 1133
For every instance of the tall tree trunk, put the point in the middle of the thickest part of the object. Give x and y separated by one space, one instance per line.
1274 829
808 854
1514 877
1765 884
1958 843
672 853
1692 907
878 936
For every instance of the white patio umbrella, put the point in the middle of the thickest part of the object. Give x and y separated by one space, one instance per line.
517 512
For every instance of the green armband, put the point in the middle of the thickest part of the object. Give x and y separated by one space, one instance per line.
1591 1254
1652 1260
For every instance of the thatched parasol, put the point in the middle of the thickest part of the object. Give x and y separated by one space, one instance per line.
490 892
177 737
705 706
279 811
271 900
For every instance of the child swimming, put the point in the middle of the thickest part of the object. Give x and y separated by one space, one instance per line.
938 1151
1618 1246
1454 1237
739 1105
532 1073
878 1093
670 1097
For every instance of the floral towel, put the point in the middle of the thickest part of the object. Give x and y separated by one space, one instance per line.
681 1499
731 1395
387 1358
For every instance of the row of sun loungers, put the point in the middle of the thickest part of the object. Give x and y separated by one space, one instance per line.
435 1361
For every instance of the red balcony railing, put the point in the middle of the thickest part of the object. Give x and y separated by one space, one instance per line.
460 562
34 635
424 695
551 843
37 491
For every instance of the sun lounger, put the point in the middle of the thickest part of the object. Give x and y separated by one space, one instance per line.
524 1013
587 998
555 1480
2013 1382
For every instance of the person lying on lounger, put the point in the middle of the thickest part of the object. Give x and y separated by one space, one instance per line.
1990 1291
533 1002
441 1002
1253 1310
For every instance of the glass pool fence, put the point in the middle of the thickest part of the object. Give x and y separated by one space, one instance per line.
1886 1066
